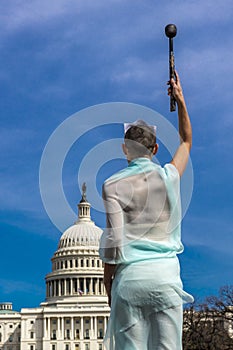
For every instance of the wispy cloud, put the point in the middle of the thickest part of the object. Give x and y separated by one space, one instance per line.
59 56
10 286
208 230
115 46
19 148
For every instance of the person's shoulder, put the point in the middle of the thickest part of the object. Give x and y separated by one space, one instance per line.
171 170
110 184
171 175
168 172
117 176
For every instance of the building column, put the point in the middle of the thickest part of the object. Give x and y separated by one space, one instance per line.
58 328
49 335
85 285
65 286
100 286
45 328
105 323
96 285
56 288
52 288
62 286
71 286
59 288
91 286
91 332
81 327
62 327
72 328
95 327
103 288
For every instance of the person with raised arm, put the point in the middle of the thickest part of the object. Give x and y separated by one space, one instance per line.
142 239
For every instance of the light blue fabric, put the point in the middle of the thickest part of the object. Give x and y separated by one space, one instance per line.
147 237
154 331
143 238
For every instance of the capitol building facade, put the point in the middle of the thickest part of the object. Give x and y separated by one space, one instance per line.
75 312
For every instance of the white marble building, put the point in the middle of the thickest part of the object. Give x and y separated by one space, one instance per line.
75 313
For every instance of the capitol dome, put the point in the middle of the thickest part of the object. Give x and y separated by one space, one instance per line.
77 270
84 232
81 234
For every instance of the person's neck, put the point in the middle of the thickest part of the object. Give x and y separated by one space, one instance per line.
134 158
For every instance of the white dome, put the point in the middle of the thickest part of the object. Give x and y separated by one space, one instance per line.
81 234
84 232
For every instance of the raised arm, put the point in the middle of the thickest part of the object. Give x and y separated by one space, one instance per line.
181 156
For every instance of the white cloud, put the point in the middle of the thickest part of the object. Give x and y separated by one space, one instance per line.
116 34
17 14
21 13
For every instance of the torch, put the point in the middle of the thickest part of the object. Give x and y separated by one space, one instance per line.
170 31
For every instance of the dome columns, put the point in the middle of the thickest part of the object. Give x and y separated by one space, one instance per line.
75 328
73 287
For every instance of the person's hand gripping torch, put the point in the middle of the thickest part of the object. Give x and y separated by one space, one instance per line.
170 31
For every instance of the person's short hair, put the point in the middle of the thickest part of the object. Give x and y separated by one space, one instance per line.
140 139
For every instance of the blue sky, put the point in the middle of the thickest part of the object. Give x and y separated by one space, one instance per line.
59 57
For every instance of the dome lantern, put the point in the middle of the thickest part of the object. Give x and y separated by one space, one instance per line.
84 232
84 206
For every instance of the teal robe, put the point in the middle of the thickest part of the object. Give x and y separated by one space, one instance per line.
142 237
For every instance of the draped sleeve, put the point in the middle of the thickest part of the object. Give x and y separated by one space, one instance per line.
110 250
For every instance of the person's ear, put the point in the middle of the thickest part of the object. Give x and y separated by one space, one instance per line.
124 149
155 150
